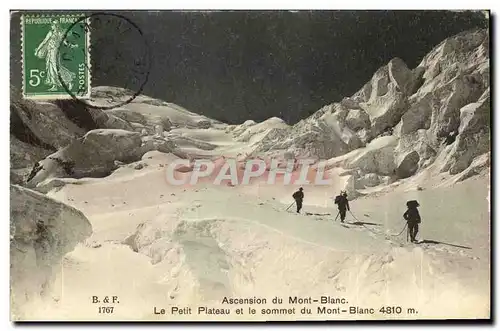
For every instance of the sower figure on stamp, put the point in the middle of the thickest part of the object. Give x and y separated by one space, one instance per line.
49 50
298 196
343 204
412 218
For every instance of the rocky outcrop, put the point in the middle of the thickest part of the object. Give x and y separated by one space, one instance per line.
448 100
151 112
418 116
94 155
237 130
377 157
402 77
18 176
42 231
38 129
127 115
314 139
479 165
456 72
114 122
385 110
384 97
149 122
323 136
413 152
368 180
156 143
273 137
25 155
46 123
357 119
407 164
473 135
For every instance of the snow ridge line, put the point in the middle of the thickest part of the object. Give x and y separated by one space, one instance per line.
238 219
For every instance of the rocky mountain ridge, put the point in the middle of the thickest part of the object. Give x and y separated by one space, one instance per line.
443 101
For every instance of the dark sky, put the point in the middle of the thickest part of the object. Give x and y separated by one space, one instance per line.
235 66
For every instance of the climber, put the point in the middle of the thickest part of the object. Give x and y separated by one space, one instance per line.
412 218
298 196
343 204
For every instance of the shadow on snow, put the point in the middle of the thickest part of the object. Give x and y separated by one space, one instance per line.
434 242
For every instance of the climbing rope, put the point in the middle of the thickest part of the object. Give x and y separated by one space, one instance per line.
362 224
404 227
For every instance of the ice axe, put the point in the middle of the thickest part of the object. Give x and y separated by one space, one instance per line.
290 206
337 216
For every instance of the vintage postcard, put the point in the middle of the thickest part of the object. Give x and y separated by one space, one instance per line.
250 165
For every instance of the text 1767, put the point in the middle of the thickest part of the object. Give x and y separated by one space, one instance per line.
106 310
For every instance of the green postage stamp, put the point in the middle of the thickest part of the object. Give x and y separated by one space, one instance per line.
55 55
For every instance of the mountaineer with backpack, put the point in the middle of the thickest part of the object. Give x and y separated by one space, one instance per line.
343 204
412 218
298 196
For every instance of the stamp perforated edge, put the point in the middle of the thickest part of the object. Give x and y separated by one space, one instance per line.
88 60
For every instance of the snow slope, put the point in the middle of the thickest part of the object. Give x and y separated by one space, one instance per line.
170 246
